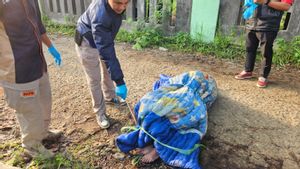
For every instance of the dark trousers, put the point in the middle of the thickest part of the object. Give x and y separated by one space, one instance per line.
265 40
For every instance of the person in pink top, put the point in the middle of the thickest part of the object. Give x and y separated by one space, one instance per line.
262 29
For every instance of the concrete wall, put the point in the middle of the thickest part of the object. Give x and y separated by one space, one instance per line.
229 16
293 28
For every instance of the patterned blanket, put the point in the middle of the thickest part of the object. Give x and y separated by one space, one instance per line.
173 117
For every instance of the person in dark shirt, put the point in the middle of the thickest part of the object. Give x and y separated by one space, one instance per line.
262 30
23 72
96 30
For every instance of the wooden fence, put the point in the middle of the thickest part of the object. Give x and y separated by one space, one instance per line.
158 13
171 15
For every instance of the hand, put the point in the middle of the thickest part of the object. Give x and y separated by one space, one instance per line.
260 1
121 91
55 55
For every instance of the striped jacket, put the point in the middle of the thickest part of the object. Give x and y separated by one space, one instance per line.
21 53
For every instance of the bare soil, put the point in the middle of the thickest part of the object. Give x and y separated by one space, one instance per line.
249 127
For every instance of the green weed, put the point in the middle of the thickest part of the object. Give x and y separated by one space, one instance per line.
12 154
287 52
59 161
230 47
222 46
63 29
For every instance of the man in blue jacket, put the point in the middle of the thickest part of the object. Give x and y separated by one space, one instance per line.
23 71
96 30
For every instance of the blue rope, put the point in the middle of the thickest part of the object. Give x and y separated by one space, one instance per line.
182 151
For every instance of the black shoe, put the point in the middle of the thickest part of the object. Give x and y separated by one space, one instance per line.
53 136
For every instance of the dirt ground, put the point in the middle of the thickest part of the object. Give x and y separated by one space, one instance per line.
249 128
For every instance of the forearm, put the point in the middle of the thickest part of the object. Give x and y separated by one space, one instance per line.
281 6
45 39
275 4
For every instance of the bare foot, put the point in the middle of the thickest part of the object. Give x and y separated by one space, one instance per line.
150 157
144 150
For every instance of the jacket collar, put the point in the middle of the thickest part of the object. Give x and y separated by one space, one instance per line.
109 9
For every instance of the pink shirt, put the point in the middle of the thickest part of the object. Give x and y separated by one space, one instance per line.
288 1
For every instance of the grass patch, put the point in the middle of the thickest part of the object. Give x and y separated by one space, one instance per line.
222 47
63 29
61 160
285 52
12 154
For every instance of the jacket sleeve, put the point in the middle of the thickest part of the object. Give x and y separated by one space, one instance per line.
105 44
39 22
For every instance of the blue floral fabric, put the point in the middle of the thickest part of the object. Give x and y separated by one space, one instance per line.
173 117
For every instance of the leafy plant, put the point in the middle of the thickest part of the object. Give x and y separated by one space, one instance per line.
223 46
64 29
287 52
12 154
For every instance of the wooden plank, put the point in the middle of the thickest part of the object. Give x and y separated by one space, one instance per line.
78 7
183 15
70 7
55 9
87 3
62 6
204 22
140 9
82 7
229 15
50 5
44 6
129 10
152 9
166 14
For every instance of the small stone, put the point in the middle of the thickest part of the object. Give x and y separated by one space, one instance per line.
69 132
101 145
163 49
107 149
115 150
103 153
2 137
289 164
119 156
95 144
112 143
83 151
121 166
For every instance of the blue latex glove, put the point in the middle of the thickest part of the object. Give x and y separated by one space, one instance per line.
250 7
55 55
121 91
